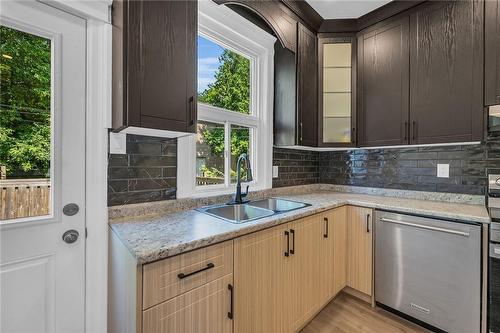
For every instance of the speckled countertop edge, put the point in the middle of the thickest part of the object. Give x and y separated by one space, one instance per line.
155 237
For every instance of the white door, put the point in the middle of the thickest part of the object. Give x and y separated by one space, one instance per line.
43 64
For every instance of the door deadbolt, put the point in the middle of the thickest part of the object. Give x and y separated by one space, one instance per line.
70 236
71 209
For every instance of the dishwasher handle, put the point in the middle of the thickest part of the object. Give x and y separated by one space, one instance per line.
427 227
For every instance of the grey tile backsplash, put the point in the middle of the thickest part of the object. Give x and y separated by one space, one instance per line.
296 167
414 168
148 171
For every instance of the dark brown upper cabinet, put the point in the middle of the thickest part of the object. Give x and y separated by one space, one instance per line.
307 87
383 85
446 72
492 52
154 58
337 90
295 91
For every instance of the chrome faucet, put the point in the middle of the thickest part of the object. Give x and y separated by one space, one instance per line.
239 197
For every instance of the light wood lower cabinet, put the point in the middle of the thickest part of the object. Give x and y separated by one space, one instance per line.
333 253
339 235
306 235
205 309
263 289
282 277
360 249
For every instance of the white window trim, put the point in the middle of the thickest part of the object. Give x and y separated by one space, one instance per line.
229 29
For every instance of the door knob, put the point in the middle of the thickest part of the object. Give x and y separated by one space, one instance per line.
70 236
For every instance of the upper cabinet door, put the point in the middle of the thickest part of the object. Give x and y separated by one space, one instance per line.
307 87
168 64
446 78
155 42
492 53
383 85
337 82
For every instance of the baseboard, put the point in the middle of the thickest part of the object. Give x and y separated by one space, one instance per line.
358 294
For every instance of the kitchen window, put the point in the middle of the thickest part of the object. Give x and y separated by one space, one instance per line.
235 85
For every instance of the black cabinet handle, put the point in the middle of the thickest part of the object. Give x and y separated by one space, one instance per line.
301 132
292 250
231 294
325 235
406 131
414 135
191 111
287 235
183 276
353 135
368 223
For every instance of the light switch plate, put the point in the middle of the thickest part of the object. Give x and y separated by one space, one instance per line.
117 143
275 171
443 170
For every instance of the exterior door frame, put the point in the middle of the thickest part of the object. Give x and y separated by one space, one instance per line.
98 120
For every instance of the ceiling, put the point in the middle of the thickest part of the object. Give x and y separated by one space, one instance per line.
342 9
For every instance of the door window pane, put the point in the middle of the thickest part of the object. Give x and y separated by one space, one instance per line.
240 142
25 124
209 153
223 77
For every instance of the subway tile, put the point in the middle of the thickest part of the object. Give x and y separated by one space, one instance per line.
151 161
144 148
134 172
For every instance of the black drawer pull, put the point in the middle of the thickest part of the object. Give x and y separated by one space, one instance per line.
183 276
292 251
325 235
230 313
368 223
287 252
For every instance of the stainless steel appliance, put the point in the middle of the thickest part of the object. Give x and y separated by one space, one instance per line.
494 259
429 270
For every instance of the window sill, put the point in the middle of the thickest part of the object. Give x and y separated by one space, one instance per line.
211 192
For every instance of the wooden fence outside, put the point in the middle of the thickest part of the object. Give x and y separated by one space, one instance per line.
24 198
209 181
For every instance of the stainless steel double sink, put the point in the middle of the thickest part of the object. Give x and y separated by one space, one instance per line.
253 210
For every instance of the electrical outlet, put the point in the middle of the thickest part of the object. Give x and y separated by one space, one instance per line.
443 170
275 171
117 143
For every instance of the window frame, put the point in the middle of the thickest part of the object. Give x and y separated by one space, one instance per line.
231 31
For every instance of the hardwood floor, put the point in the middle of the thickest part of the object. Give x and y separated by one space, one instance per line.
347 314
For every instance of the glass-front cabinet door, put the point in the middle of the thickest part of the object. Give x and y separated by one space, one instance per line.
336 90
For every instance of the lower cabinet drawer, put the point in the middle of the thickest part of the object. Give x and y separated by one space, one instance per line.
206 309
168 278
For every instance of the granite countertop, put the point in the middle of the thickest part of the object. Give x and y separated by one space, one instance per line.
151 238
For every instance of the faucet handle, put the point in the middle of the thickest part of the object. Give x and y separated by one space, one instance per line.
246 192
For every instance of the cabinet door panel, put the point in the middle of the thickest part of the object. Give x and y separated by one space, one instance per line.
306 269
307 85
492 52
383 62
446 76
333 253
336 90
262 280
360 266
201 310
168 61
339 233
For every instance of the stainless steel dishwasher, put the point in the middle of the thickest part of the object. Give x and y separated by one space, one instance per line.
429 270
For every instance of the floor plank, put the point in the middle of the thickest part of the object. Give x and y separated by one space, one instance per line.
347 314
